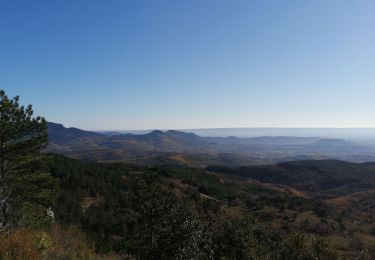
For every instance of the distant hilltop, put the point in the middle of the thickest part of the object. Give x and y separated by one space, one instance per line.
344 133
158 147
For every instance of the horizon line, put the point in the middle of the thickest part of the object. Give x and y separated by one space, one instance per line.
222 128
244 127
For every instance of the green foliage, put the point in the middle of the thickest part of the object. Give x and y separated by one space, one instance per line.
298 245
165 228
241 238
133 210
26 187
323 178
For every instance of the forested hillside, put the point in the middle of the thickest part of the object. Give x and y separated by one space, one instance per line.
170 211
322 178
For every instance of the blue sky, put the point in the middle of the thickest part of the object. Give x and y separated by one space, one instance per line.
134 64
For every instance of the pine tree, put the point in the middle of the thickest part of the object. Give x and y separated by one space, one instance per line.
26 187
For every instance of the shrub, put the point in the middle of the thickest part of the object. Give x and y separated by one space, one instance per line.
18 245
69 243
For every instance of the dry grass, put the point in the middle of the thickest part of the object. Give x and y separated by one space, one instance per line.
18 245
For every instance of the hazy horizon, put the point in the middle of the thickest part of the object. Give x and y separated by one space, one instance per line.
224 128
345 133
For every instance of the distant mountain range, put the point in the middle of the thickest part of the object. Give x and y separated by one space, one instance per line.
188 148
364 134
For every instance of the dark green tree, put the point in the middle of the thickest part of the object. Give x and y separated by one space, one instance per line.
26 187
299 245
166 227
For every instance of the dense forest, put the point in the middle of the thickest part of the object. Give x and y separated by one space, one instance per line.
175 212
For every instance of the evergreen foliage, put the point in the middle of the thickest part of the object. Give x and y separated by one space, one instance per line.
135 211
26 186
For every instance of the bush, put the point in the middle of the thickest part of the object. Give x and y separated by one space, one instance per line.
302 246
69 244
18 245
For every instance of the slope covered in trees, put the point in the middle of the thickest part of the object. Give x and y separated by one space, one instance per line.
170 211
324 178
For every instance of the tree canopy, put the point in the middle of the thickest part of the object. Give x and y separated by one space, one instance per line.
26 187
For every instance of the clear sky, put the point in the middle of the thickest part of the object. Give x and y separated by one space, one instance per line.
134 64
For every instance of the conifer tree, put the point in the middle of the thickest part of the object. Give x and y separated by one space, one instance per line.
26 187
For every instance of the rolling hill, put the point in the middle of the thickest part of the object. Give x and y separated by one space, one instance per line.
115 199
323 178
160 147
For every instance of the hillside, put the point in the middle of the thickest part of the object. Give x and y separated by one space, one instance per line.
322 178
114 204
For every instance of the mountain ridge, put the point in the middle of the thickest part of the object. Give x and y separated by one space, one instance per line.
202 151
